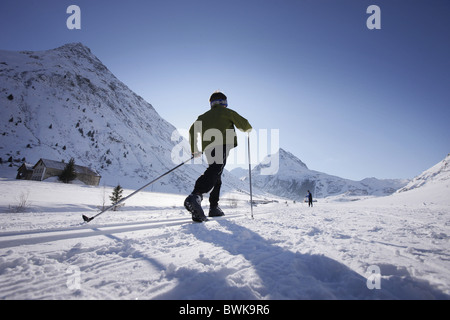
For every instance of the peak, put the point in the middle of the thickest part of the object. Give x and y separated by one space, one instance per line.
287 155
76 47
284 154
78 53
73 45
74 52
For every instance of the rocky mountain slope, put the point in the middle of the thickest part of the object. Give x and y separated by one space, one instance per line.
65 103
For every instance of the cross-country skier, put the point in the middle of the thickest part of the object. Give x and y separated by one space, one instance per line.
217 137
310 201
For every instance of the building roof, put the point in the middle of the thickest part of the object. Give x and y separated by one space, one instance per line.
27 166
61 165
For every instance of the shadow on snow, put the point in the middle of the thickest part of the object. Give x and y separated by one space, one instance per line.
284 274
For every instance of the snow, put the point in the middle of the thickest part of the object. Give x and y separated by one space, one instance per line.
150 249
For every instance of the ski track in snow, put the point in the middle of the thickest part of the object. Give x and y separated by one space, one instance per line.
151 250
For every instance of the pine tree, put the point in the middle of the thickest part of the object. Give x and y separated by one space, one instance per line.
116 196
68 173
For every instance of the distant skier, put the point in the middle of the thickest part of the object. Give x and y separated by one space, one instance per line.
219 120
309 195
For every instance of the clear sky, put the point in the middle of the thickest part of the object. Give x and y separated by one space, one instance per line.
347 100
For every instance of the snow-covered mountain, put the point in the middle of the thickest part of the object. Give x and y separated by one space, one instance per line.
65 103
294 179
431 186
438 174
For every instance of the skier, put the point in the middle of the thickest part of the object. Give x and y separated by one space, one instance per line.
309 195
219 120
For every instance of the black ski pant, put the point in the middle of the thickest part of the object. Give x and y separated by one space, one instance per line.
212 177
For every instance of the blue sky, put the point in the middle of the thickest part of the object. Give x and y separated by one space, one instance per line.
347 100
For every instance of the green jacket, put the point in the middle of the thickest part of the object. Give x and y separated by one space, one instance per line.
222 121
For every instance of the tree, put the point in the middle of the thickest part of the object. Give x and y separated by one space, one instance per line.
116 197
68 173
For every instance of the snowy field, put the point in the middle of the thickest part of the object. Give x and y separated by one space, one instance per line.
395 247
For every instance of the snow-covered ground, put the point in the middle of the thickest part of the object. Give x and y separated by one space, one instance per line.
151 250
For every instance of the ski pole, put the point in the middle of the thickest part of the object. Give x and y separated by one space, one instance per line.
250 175
87 219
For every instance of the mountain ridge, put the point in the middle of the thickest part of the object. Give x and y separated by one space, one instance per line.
294 179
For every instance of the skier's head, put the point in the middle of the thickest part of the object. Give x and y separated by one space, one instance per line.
218 98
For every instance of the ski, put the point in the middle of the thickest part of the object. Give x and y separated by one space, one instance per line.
224 217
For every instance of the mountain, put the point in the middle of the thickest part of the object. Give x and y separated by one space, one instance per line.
430 187
294 179
428 190
64 103
438 174
239 172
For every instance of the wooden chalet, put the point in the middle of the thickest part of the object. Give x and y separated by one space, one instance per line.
46 168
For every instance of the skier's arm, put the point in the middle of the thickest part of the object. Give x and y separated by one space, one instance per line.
193 138
241 123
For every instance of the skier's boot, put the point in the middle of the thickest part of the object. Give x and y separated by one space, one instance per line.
193 205
215 211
